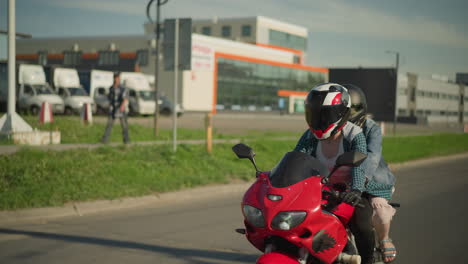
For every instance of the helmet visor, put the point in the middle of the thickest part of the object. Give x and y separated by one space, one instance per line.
320 118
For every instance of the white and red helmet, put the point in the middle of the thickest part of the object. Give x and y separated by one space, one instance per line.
327 109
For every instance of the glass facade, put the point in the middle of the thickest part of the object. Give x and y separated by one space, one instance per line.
287 40
247 86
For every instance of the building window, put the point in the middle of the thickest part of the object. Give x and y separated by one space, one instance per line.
142 57
287 40
206 31
226 31
246 30
42 57
72 58
109 57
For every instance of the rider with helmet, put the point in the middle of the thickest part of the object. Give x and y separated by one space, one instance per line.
327 110
381 180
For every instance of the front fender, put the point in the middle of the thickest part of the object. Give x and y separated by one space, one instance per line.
276 258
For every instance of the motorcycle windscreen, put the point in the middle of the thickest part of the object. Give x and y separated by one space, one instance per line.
295 167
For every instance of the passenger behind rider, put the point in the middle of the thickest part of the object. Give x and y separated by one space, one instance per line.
327 110
376 170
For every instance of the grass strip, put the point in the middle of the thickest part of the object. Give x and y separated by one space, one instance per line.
35 178
73 131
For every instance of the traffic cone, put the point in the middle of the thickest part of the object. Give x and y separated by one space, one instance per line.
87 114
45 116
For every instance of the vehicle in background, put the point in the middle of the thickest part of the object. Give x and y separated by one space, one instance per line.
33 90
97 84
67 84
165 105
141 95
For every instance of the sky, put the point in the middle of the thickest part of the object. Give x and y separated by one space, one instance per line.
431 36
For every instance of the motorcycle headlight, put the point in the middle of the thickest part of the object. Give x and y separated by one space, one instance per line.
288 220
254 216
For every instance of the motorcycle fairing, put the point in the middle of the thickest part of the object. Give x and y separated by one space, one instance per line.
305 195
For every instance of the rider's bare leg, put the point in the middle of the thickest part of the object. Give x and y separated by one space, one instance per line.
383 231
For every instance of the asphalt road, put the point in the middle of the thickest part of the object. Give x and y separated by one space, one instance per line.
430 227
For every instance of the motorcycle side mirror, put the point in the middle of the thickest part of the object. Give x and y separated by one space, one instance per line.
245 152
351 159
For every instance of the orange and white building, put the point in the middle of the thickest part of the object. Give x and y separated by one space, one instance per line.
238 64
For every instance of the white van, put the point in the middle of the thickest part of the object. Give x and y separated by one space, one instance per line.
141 96
33 90
67 85
97 84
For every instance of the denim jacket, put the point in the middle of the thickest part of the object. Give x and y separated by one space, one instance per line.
375 167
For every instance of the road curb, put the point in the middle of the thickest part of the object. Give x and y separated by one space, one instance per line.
425 161
86 208
197 193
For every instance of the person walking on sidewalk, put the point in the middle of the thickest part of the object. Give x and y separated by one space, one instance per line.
118 100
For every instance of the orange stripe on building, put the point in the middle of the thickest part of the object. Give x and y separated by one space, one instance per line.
273 63
90 56
295 51
27 56
55 56
287 93
127 55
300 53
87 56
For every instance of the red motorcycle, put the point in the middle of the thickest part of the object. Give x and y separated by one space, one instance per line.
294 216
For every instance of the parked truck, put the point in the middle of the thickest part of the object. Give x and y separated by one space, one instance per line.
67 84
33 90
97 84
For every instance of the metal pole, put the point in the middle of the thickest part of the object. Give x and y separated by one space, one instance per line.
396 92
156 71
11 57
176 86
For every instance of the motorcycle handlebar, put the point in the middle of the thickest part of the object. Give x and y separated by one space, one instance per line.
339 196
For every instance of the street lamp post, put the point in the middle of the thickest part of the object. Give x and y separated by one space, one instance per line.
11 122
156 70
397 56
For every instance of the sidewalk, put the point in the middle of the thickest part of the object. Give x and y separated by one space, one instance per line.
203 192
